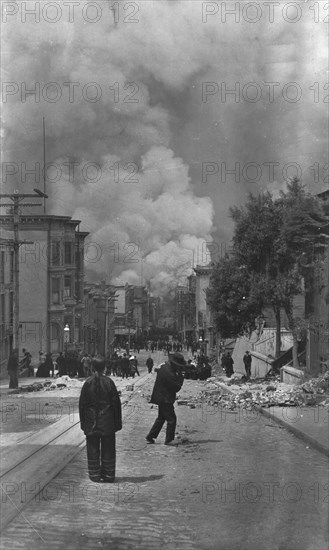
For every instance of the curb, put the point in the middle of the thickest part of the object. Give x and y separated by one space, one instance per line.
296 431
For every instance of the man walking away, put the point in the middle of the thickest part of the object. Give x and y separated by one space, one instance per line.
25 363
168 382
229 365
12 368
100 418
125 366
149 364
133 366
49 365
61 364
86 365
247 363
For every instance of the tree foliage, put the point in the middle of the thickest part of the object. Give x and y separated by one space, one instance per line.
230 297
274 244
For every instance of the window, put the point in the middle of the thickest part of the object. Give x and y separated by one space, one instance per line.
68 253
2 267
67 286
55 253
55 290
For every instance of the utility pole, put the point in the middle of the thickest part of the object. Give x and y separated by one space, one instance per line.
15 205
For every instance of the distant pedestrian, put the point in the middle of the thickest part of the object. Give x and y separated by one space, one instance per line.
86 365
133 366
114 365
247 363
25 363
61 364
49 365
149 364
229 365
12 368
125 366
168 382
42 358
100 418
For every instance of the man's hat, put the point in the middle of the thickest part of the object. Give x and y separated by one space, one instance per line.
177 359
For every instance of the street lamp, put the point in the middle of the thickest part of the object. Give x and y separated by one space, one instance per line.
66 336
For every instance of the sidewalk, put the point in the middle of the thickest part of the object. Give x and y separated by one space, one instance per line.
308 423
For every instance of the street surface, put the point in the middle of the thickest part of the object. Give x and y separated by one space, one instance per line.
235 482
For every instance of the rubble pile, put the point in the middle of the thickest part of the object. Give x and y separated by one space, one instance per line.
262 394
56 384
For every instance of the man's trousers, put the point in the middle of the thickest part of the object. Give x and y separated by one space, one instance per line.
167 414
101 457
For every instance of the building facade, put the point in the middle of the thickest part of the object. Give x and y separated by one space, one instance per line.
185 313
51 272
99 319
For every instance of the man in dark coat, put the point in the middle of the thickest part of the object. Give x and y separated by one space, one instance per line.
168 382
12 368
125 366
49 365
247 363
149 364
100 418
25 363
133 366
229 365
61 364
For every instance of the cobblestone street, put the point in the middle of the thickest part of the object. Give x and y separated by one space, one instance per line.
234 482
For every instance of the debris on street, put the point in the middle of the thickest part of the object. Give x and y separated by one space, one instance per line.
48 385
261 393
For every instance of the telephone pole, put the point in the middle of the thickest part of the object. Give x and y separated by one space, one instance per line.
16 204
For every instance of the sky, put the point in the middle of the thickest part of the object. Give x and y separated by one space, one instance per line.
143 129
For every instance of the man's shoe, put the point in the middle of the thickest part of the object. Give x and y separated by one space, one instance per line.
172 443
149 439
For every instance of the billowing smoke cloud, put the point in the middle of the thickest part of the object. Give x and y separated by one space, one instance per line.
144 231
141 135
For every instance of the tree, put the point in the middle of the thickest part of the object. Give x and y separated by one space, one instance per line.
273 247
303 223
257 228
231 300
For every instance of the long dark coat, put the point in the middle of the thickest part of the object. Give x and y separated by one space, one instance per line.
100 412
168 382
247 359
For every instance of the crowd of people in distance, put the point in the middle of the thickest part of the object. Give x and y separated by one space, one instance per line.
198 368
122 364
75 364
